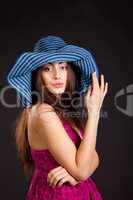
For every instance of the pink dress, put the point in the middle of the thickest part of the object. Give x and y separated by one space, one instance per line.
39 189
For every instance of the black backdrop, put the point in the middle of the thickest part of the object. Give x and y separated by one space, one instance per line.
104 28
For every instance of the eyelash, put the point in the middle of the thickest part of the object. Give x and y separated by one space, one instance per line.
64 66
61 66
45 68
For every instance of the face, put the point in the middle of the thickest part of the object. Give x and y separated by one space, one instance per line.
54 76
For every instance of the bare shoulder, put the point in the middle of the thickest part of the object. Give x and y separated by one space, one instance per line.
40 115
44 106
45 112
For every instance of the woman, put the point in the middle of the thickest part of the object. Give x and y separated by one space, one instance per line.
56 132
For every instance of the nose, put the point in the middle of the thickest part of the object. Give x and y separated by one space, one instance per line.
57 73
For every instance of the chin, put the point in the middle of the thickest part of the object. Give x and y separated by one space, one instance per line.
57 90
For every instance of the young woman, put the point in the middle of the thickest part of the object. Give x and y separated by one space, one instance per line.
56 131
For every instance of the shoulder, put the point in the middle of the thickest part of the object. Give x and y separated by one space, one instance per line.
44 112
44 107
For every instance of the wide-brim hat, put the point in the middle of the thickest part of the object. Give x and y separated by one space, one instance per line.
49 49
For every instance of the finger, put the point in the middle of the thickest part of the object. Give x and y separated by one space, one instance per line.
106 88
89 90
95 82
56 169
102 83
105 92
53 171
51 180
57 179
62 181
56 176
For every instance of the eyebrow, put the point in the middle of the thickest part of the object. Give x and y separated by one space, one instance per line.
59 63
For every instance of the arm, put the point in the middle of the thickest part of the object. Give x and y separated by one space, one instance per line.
51 130
93 166
86 155
59 175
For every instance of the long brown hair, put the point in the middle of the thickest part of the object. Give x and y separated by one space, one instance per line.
78 120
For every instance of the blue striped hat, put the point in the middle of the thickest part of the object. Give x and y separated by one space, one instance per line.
49 49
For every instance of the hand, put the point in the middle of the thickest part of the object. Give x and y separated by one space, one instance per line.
95 94
58 176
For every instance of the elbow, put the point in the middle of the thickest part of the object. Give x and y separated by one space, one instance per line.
80 177
85 176
97 162
87 173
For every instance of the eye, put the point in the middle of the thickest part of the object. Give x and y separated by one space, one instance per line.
46 69
64 66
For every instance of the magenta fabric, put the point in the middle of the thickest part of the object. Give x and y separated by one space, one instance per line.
44 162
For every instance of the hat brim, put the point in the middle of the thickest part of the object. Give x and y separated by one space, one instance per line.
21 73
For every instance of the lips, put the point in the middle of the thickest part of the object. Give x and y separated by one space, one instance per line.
58 85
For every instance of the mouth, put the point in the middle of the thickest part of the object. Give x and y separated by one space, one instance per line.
58 85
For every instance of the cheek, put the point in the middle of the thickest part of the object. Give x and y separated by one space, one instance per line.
45 78
64 76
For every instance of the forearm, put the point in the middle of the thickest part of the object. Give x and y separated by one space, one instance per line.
93 166
85 152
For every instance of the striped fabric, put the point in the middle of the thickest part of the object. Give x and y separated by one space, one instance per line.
49 49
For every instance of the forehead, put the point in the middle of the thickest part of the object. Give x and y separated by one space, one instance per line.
53 64
59 62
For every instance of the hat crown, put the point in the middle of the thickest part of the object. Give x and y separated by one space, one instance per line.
49 44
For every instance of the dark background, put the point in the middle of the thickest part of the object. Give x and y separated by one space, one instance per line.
103 27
